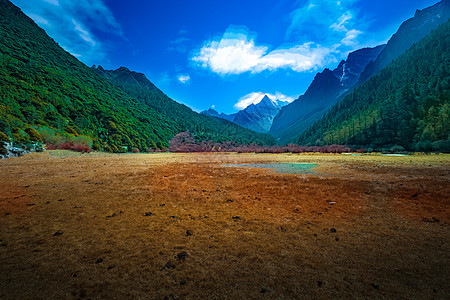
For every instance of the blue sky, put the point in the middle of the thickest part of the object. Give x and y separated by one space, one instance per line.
221 54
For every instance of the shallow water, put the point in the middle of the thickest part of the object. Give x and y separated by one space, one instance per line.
289 168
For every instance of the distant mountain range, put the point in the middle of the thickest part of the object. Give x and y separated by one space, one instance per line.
214 113
329 87
257 117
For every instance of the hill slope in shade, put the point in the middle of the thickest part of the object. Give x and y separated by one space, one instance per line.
321 95
405 106
202 127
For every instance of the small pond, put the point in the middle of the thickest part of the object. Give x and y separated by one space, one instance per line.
290 168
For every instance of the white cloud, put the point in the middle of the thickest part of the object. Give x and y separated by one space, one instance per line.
182 31
350 37
54 2
340 24
184 78
180 40
298 58
256 97
236 53
84 34
325 21
39 20
252 98
163 79
72 25
281 97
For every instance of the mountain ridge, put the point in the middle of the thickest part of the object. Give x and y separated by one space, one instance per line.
410 31
138 86
297 117
406 106
322 93
256 116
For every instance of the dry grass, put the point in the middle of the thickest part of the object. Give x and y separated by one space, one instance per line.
388 242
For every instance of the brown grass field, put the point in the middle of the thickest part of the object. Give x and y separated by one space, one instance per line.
75 226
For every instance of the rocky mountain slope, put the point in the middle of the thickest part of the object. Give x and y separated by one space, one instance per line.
361 65
321 95
349 71
410 32
406 106
258 117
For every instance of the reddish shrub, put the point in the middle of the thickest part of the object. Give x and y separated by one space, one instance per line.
69 146
184 142
64 146
80 148
136 150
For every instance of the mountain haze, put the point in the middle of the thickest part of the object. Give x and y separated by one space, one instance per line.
259 116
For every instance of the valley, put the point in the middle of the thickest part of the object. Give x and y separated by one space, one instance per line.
176 226
219 154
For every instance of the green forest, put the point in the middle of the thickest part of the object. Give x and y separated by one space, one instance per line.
200 126
44 86
405 107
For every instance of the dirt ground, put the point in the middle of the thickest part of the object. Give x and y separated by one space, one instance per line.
182 226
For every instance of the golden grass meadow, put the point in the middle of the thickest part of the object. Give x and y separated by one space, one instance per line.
183 226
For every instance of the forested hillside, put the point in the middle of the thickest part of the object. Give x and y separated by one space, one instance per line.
405 106
44 86
201 127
